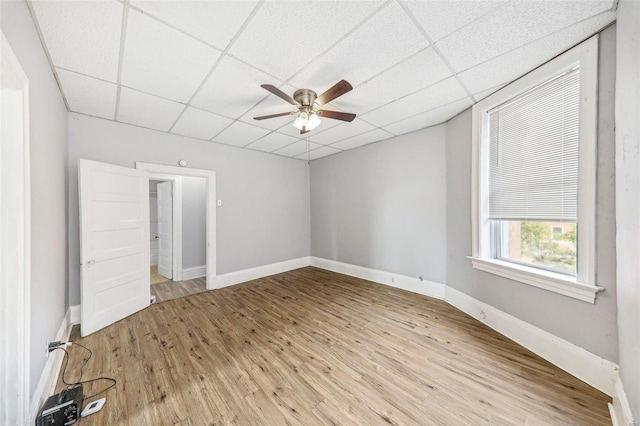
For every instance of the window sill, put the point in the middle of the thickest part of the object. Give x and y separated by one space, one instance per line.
550 281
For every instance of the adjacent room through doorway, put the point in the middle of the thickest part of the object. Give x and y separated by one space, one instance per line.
177 221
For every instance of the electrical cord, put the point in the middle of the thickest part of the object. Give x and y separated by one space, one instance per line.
80 381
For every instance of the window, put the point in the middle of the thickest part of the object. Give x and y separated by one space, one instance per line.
534 146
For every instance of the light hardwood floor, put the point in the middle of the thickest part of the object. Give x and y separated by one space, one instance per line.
169 290
313 347
155 276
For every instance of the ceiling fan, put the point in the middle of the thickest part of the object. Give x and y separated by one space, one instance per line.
308 104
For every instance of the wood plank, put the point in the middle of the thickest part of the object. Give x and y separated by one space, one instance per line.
315 347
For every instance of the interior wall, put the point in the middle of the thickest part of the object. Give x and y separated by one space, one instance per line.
592 327
48 135
383 205
264 216
194 222
628 193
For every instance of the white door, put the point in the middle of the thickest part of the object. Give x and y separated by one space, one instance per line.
114 243
165 230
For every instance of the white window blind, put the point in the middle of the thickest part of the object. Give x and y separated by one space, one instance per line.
533 147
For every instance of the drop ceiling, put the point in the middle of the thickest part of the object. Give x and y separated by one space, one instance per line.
194 68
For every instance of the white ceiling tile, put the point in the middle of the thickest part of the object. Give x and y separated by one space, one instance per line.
88 95
272 142
297 148
426 99
319 153
381 42
271 105
363 139
240 134
284 36
340 132
233 88
439 18
481 95
214 22
147 110
415 73
512 26
162 61
82 36
429 118
200 124
516 63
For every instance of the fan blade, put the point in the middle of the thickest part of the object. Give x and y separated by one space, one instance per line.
339 89
282 114
279 93
336 115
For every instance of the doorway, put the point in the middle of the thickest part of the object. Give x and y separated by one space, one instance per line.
193 236
15 240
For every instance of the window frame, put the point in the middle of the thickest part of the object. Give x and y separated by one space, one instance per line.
583 286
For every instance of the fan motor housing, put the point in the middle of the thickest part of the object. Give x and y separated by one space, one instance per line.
305 97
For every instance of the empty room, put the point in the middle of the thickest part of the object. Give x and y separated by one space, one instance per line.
274 212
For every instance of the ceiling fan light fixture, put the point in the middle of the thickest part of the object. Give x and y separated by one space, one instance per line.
307 121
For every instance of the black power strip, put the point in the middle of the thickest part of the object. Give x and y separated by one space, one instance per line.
62 408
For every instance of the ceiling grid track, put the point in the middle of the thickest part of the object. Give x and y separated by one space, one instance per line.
123 35
220 58
46 53
435 49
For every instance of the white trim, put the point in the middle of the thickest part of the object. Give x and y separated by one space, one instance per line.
415 285
74 314
585 55
210 176
558 283
15 244
620 410
244 275
194 272
586 366
49 377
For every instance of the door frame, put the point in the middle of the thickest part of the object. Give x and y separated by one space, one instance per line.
176 232
15 233
210 176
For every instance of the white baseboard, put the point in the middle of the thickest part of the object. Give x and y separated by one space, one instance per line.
590 368
49 377
593 370
427 288
194 272
237 277
75 314
620 410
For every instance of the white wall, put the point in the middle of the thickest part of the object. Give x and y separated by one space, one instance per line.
592 327
265 214
48 133
628 197
383 206
194 222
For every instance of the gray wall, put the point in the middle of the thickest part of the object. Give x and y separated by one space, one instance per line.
628 190
194 222
383 206
48 133
265 213
592 327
